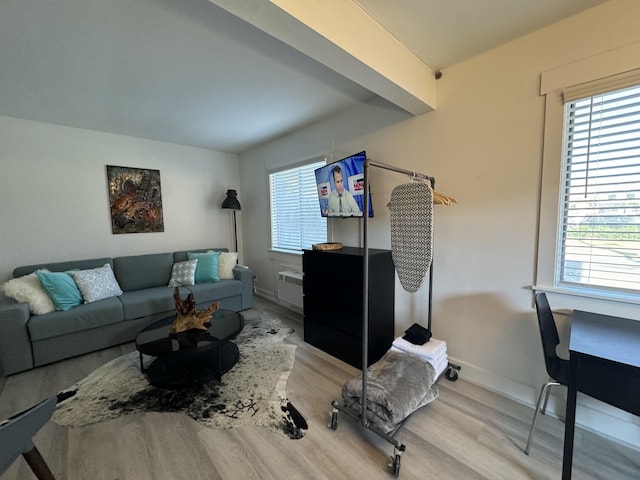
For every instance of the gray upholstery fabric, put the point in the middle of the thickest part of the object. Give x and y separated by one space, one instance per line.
141 303
54 349
15 344
181 256
136 272
246 277
62 266
210 292
84 317
28 341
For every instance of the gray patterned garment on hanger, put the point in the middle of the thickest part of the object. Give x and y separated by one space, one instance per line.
412 232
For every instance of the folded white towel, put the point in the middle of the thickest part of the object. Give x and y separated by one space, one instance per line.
430 350
440 363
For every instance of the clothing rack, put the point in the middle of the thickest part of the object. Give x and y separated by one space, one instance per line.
451 372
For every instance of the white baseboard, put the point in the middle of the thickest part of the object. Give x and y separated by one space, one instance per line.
591 415
273 298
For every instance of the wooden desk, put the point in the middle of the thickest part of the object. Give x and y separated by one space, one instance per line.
604 364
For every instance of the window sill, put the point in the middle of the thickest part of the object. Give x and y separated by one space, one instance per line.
275 254
608 303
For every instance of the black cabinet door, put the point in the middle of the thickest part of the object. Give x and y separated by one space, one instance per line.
334 299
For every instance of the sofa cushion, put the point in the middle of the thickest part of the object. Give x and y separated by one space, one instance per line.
150 301
62 266
211 292
181 256
183 273
61 288
82 317
136 272
28 289
96 283
207 267
226 262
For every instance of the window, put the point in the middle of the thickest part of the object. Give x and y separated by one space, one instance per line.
296 222
599 227
586 243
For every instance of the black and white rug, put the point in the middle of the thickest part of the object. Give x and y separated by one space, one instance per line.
253 392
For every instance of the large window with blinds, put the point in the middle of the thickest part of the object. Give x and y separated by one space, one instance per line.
296 222
599 230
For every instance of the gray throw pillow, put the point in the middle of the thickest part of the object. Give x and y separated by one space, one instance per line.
183 273
96 283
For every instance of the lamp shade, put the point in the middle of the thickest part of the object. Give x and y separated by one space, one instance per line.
231 202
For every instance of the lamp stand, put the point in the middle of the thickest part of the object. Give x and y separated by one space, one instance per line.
235 231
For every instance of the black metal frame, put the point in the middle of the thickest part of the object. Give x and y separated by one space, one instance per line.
452 369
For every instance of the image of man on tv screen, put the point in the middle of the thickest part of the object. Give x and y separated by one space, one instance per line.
341 202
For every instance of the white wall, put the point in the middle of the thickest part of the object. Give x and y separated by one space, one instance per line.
484 146
54 202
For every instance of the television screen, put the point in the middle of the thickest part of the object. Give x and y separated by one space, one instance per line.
341 187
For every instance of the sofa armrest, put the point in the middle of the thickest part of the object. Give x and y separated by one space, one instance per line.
245 275
15 344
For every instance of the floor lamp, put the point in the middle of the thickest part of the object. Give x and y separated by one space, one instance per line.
232 203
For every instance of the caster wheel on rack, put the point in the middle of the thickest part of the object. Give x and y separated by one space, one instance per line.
451 374
395 466
333 424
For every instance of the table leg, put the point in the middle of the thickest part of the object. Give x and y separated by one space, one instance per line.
37 464
570 416
219 363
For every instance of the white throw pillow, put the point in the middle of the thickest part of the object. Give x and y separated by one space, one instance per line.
28 289
96 283
183 273
226 262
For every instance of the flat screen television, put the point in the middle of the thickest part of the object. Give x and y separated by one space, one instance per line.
341 187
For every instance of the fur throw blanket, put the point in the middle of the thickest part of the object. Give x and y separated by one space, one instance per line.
397 385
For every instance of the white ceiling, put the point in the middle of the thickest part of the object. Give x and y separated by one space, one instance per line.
189 72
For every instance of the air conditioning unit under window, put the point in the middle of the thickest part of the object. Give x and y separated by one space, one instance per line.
290 287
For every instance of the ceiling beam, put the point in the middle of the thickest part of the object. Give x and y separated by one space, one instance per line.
342 36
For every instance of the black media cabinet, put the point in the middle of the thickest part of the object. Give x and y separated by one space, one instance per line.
333 301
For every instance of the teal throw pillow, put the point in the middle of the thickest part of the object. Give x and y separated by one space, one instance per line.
207 267
61 288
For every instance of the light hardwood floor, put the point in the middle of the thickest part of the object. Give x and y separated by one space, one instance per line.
467 433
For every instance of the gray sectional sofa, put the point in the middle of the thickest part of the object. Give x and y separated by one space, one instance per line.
28 341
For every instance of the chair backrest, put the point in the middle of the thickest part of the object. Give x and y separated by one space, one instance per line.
548 335
16 433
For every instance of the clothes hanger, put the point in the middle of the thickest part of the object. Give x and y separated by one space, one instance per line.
438 198
442 199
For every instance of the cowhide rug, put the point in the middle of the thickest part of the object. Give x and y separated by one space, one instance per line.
253 392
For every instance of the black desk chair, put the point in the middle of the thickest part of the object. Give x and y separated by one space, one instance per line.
557 368
16 435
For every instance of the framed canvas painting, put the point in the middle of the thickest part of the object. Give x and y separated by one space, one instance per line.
135 199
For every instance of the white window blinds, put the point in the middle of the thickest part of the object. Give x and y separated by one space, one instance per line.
599 231
296 222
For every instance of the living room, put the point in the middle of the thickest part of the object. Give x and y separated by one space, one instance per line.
483 143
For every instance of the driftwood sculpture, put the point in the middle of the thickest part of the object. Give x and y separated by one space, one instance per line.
187 317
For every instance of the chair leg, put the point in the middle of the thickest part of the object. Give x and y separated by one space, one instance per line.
544 392
38 466
546 398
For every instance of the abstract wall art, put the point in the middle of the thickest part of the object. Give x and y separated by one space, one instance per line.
135 198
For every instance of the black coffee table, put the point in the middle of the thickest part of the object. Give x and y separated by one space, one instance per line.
192 357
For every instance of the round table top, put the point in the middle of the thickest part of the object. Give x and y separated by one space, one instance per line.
155 339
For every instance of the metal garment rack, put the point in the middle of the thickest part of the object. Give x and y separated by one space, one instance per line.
452 369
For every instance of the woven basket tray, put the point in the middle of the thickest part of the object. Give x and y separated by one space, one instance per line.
327 246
